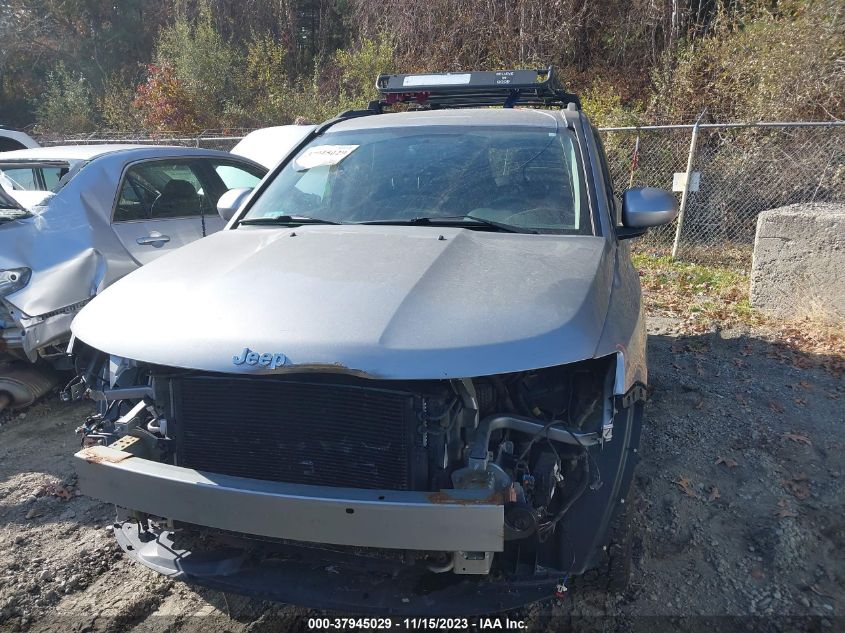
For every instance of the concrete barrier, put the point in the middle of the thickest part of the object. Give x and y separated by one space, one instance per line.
799 261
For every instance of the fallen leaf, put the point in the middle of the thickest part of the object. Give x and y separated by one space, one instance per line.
798 486
784 511
699 404
684 484
714 494
800 439
776 407
832 396
746 351
741 399
757 574
727 461
805 385
815 590
800 401
57 490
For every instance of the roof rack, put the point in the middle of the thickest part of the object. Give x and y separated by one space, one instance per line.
474 89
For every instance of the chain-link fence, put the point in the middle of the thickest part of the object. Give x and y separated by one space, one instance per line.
224 139
742 169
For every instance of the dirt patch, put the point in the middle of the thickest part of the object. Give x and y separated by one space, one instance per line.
741 508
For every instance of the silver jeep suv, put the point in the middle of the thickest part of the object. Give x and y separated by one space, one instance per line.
407 378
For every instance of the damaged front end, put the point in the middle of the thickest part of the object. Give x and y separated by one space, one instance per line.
340 491
30 338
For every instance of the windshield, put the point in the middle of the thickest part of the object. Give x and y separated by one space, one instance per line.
522 177
32 175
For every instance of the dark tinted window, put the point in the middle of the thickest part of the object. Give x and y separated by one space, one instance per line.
8 144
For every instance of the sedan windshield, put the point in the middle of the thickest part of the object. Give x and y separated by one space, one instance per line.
515 178
32 175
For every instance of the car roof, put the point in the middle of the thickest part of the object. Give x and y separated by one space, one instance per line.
548 119
269 145
22 138
90 152
66 152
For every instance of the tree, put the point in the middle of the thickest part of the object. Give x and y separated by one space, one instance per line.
164 103
67 105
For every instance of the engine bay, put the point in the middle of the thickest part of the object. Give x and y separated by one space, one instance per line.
525 441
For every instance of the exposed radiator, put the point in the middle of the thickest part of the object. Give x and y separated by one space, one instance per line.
300 432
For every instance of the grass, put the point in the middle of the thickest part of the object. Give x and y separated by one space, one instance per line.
704 296
698 294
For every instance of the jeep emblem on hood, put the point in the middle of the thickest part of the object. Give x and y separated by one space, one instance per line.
254 358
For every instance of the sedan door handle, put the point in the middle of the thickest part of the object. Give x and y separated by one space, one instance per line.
156 241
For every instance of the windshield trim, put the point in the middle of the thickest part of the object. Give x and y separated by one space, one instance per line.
37 162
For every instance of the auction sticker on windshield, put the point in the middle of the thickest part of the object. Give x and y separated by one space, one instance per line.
324 155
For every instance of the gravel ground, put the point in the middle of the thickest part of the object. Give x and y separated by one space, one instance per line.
741 512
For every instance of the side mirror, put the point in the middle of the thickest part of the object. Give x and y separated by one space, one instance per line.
643 207
231 201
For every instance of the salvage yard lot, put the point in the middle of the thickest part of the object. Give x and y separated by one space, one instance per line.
740 511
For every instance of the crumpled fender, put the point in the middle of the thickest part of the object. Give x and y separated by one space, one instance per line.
69 245
624 331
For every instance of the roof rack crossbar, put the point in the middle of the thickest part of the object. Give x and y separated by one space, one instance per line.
474 89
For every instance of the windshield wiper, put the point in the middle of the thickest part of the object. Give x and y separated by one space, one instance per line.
455 220
8 214
286 220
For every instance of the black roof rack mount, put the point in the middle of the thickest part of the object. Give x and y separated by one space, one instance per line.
474 89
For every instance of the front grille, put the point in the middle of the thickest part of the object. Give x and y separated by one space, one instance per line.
298 432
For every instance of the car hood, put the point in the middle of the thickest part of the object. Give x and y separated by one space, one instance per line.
382 301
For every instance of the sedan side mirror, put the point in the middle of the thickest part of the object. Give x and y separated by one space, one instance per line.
231 201
643 207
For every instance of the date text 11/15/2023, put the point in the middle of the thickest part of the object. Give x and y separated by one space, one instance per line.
416 624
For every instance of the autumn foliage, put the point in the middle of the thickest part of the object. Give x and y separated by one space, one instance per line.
180 65
163 103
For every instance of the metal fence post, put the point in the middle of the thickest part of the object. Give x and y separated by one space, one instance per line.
685 193
634 161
